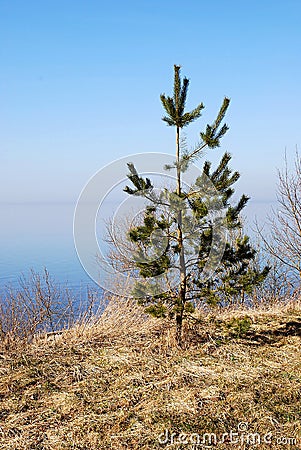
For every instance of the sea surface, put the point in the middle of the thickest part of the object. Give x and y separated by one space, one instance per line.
34 236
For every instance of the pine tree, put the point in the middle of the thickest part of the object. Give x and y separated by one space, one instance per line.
184 252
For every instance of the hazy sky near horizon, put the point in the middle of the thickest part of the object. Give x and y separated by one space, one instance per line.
80 85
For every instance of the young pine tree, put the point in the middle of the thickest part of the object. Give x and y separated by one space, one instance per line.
171 254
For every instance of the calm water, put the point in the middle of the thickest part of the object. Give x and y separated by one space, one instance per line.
34 236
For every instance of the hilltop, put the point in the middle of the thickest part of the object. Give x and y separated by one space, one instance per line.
120 382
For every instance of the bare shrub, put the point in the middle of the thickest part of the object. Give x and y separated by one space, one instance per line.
284 240
40 305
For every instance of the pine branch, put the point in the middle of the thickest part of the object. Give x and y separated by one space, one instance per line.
183 96
175 106
140 183
177 84
212 136
221 113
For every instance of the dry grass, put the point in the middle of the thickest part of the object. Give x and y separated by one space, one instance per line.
120 382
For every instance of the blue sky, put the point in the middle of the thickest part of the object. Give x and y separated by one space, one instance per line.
80 85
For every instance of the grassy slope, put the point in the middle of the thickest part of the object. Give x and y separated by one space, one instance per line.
120 383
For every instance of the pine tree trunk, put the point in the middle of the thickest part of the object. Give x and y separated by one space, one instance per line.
179 323
178 162
182 288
